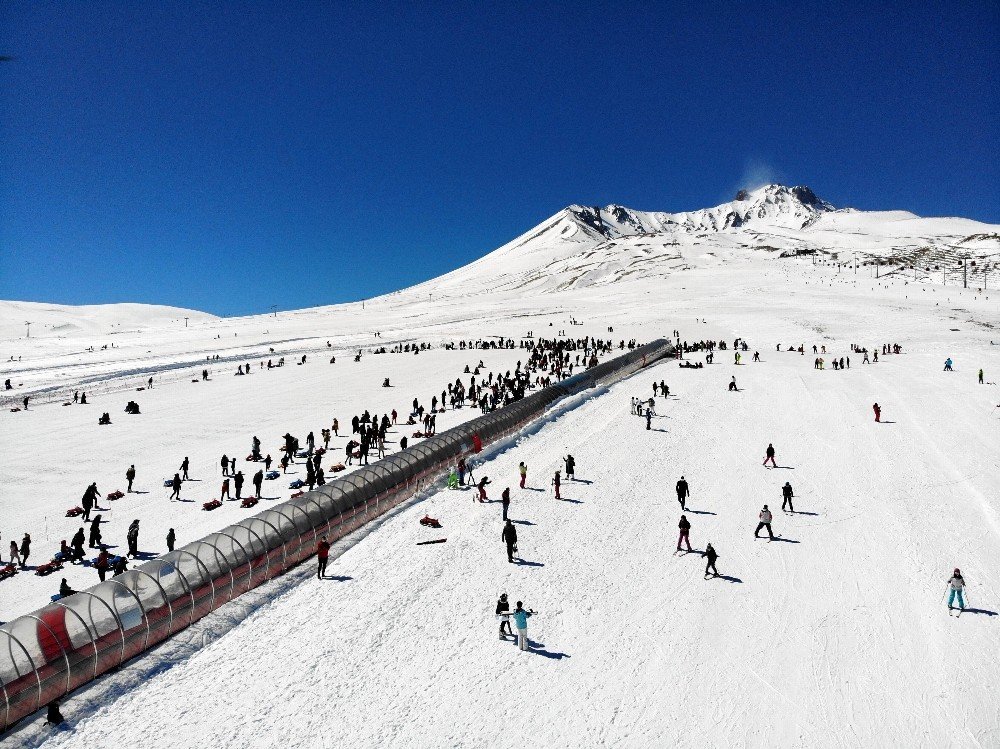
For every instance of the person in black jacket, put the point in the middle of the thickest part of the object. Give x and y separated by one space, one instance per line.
77 543
130 477
685 530
94 541
787 494
133 539
64 589
509 537
238 483
712 556
175 485
505 501
258 481
171 538
683 492
503 607
184 469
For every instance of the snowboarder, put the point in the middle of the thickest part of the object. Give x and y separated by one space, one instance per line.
505 501
522 469
769 455
322 555
509 537
765 522
503 611
685 529
787 494
878 412
683 492
130 477
712 556
175 485
956 585
521 622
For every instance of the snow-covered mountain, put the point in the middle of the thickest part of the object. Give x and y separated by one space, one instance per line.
585 246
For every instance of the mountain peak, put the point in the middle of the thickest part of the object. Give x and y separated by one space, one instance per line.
778 193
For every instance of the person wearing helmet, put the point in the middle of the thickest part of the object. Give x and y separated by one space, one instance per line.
956 586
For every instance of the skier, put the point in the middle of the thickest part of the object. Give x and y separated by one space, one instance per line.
712 556
503 611
521 622
956 585
787 494
878 412
171 539
482 488
570 462
523 470
509 537
322 554
175 485
505 501
683 492
555 484
685 529
769 455
130 477
765 522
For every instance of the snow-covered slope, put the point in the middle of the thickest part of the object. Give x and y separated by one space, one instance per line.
61 320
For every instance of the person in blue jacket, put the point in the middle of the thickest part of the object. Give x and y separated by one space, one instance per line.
521 622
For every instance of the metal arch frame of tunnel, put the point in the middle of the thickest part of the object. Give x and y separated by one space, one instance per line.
335 509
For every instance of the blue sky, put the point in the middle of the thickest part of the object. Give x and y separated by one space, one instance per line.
231 156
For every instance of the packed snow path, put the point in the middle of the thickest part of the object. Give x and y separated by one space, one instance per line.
835 635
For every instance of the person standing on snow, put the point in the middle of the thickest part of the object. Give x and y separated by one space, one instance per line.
980 376
685 529
482 488
130 477
732 385
521 622
258 481
956 584
509 537
175 486
225 465
133 539
225 489
171 539
765 522
503 611
556 481
878 412
683 492
322 555
787 494
570 462
184 468
769 455
238 483
649 418
523 470
712 556
505 501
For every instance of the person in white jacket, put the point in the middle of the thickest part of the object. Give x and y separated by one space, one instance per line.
765 522
956 585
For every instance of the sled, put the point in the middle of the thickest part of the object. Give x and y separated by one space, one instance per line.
338 468
435 541
296 495
72 512
214 504
320 451
271 475
115 495
55 597
48 568
420 435
248 502
302 454
297 484
8 570
168 483
430 522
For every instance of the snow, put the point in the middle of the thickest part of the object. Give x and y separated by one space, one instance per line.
834 636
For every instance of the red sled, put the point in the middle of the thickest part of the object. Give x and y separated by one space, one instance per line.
248 502
297 494
338 468
430 522
72 512
215 503
115 495
48 568
8 570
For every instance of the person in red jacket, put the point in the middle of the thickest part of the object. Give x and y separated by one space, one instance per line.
685 530
322 554
878 412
